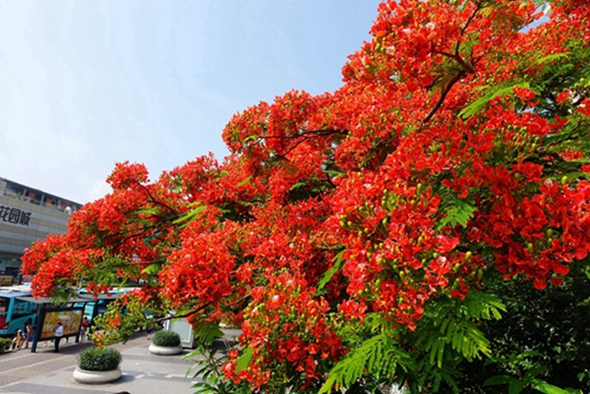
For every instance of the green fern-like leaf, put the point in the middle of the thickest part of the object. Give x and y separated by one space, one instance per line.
377 356
551 57
455 210
478 104
245 181
190 215
152 269
206 332
450 323
338 260
244 360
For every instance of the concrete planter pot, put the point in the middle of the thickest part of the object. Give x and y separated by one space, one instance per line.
96 377
165 350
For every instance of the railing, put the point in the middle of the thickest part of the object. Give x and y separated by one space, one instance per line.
33 199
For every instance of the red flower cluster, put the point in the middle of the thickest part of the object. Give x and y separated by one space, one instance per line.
286 328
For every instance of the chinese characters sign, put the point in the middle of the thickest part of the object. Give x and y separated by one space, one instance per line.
14 215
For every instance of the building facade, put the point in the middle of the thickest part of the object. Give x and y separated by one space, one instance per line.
27 215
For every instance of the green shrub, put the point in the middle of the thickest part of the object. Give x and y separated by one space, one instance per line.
4 344
166 338
99 359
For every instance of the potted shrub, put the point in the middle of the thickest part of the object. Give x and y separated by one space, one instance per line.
166 343
98 365
4 344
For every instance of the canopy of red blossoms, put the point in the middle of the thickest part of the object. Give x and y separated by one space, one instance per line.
457 143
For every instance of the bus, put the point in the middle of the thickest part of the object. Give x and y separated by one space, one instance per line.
14 312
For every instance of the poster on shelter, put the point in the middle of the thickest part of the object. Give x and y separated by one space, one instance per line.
70 320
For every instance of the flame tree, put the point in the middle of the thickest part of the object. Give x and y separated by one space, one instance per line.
351 234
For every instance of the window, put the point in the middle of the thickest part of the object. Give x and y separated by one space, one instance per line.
22 308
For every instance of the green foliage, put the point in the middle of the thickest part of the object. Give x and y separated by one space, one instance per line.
4 344
560 72
528 379
338 261
447 333
551 57
378 357
455 210
207 369
243 361
192 214
113 336
309 188
99 359
63 293
493 92
544 335
152 269
452 323
166 338
206 332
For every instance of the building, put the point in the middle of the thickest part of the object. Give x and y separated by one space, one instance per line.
27 215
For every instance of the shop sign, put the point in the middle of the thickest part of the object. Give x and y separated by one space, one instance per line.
14 215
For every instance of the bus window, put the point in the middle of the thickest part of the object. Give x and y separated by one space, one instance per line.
22 308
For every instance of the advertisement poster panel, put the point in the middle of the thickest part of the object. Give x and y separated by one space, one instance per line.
70 320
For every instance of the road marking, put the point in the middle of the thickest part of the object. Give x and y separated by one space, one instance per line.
174 376
39 363
15 358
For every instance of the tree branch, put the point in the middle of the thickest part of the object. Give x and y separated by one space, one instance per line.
478 7
466 66
145 262
443 95
304 136
154 201
196 310
188 314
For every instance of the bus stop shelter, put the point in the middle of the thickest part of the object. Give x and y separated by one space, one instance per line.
69 313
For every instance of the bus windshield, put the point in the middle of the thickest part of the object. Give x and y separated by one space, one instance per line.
4 302
14 311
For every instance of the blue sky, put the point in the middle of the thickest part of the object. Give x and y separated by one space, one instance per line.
86 84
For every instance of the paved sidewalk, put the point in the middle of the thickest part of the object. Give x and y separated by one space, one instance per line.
46 372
